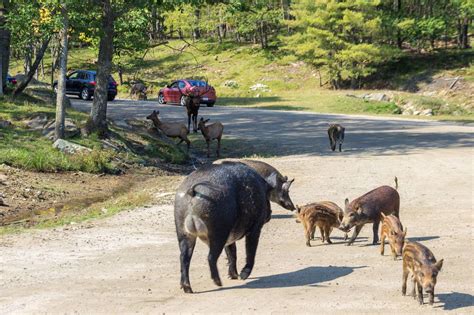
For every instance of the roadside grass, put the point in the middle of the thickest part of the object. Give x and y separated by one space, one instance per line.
27 149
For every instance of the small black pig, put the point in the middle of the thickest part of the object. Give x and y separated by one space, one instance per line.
221 204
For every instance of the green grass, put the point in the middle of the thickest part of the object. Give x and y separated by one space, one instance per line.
28 149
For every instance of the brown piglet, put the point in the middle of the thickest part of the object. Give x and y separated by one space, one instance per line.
421 263
392 230
326 215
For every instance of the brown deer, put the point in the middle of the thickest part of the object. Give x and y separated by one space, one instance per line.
192 101
211 132
172 130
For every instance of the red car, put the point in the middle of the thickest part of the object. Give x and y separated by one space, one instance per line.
173 93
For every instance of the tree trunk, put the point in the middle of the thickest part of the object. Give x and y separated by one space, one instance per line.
464 35
196 30
154 20
21 87
60 100
98 116
4 44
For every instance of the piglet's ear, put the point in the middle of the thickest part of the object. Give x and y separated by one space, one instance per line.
439 264
272 180
405 232
346 202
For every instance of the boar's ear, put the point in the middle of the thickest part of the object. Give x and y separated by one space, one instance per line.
383 215
405 232
346 202
272 180
290 182
439 264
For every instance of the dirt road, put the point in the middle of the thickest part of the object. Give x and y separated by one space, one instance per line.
129 263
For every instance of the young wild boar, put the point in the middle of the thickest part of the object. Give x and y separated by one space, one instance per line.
325 214
336 135
211 132
172 130
221 204
367 209
422 264
392 230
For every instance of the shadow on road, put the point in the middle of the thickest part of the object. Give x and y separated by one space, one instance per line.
455 300
310 276
422 238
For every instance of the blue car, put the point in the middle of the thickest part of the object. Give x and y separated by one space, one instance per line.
82 83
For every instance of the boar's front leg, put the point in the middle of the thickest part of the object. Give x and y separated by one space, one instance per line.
186 246
354 235
231 251
404 279
251 244
420 293
376 232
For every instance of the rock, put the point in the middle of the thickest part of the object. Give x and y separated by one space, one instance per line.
70 129
259 87
5 123
2 203
407 112
69 147
380 97
3 179
417 112
37 122
427 112
231 83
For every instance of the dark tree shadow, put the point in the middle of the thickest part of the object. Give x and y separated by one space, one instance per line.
422 238
310 276
282 216
455 300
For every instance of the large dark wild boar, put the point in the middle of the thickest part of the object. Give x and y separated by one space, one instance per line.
221 204
422 264
367 209
392 229
280 195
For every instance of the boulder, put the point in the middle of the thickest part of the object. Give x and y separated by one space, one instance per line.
231 83
259 87
70 129
380 97
69 147
427 112
37 122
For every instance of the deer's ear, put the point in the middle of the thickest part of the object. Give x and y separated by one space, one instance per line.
207 120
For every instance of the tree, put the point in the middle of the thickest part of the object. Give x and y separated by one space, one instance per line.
61 87
337 36
4 44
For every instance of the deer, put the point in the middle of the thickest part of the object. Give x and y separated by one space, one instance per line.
211 132
192 101
172 130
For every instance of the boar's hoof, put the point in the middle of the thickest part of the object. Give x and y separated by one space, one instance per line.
187 289
218 282
245 273
308 244
329 241
233 275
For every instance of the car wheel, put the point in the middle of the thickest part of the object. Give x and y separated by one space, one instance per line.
211 104
182 101
161 99
85 95
110 98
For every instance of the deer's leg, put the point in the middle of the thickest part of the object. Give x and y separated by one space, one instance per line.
218 146
189 122
208 142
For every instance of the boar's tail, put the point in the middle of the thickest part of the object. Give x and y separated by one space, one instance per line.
195 226
192 191
396 183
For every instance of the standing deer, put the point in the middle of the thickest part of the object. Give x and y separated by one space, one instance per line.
192 101
170 129
211 132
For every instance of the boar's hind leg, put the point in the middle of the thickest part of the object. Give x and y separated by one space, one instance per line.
354 235
404 279
251 244
186 246
216 245
376 232
231 251
328 231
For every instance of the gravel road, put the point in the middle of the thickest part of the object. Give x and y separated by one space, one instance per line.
129 262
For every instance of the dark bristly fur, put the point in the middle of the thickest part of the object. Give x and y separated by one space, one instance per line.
421 263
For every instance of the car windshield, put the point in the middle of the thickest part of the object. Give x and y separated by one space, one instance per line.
197 83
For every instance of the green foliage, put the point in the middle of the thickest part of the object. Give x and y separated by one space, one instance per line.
338 36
